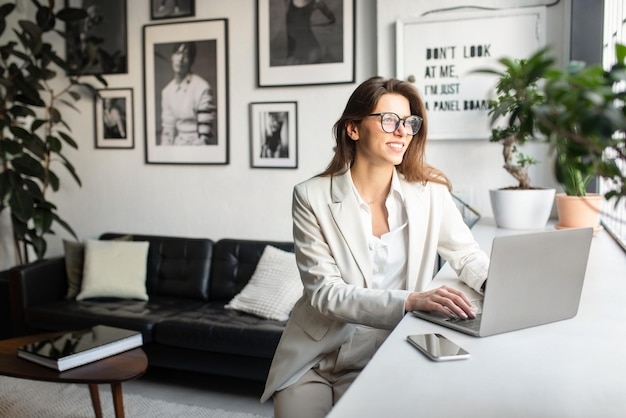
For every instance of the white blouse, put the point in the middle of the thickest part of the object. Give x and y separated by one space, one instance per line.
389 252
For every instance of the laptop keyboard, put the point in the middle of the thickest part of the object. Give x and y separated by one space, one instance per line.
470 323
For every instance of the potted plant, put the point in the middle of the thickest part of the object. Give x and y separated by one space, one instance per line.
523 206
578 111
580 116
33 133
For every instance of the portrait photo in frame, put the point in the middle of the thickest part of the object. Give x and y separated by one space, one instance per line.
186 92
105 27
307 45
113 110
170 9
274 135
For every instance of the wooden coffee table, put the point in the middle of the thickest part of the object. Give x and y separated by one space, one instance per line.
111 370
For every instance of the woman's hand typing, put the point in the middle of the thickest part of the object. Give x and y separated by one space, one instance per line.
445 300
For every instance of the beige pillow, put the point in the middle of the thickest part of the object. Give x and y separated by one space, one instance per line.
74 261
274 287
115 269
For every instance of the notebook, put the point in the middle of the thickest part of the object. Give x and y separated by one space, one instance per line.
73 349
534 279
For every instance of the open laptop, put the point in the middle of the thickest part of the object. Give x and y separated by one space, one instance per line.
534 279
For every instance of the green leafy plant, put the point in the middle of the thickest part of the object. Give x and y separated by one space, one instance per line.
33 133
578 110
517 94
582 116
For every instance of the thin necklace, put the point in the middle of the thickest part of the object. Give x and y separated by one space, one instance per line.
371 202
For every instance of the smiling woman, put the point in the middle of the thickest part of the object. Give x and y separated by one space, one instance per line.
367 260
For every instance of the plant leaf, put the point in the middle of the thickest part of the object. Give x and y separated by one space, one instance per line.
68 139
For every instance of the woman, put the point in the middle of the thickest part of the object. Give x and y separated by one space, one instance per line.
366 232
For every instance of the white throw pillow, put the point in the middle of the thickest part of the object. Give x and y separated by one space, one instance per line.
274 287
115 269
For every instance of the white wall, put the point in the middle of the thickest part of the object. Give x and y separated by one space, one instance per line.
121 193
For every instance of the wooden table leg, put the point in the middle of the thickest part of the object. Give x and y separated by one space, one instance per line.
95 399
118 401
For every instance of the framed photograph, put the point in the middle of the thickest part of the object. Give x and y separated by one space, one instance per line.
274 135
105 29
186 92
114 119
169 9
305 45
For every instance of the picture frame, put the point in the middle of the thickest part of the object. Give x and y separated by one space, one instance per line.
170 9
274 135
106 29
114 122
186 123
314 45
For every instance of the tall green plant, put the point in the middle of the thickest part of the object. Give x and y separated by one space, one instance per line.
517 94
582 117
579 110
33 133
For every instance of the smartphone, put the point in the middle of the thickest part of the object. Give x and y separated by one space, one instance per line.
437 347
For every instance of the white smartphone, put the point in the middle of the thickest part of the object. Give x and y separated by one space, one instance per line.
437 347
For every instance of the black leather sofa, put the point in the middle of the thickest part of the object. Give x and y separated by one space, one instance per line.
184 323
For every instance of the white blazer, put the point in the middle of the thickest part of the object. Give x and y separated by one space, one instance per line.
333 258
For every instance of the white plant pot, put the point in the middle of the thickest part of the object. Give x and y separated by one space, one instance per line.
522 209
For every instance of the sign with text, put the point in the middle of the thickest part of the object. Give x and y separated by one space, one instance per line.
440 56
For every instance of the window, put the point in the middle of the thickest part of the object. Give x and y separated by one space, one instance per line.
614 216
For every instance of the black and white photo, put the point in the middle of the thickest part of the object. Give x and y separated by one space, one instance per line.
113 109
304 42
273 135
168 9
185 92
98 44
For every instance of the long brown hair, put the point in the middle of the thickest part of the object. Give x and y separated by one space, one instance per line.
360 104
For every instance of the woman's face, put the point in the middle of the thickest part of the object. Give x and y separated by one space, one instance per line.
373 143
180 60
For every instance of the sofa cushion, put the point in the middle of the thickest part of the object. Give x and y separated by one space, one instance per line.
114 269
215 329
274 287
74 262
123 313
176 266
74 259
234 262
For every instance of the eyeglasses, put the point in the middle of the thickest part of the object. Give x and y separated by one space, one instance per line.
390 121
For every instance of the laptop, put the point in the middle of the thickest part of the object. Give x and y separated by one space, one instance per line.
534 279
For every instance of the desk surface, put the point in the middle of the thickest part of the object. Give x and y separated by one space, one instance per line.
572 368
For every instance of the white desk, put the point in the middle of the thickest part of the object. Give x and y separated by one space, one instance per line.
572 368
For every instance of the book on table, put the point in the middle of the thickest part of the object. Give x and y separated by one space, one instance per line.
77 348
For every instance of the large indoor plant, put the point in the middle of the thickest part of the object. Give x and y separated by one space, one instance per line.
579 111
523 206
33 133
581 116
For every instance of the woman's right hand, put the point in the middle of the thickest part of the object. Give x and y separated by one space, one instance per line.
445 300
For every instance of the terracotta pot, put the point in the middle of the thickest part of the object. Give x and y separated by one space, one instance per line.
579 211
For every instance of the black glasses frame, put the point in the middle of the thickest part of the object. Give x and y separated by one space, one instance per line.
403 120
